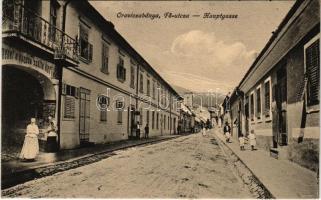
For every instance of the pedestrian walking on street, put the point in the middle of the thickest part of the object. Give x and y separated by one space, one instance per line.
146 131
30 148
252 138
227 131
242 142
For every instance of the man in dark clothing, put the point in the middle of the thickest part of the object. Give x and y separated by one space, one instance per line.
146 131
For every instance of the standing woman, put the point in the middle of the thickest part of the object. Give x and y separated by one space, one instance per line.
30 148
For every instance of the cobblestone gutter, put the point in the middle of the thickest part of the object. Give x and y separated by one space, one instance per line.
249 179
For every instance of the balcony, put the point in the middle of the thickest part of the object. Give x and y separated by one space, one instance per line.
18 21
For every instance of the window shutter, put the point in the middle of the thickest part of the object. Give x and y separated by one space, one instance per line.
118 71
313 72
90 52
103 58
69 107
124 74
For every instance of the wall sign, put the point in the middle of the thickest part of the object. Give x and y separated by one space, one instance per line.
18 57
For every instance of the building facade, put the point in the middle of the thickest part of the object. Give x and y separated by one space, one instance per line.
63 59
279 96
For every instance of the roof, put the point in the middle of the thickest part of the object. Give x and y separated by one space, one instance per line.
110 30
273 37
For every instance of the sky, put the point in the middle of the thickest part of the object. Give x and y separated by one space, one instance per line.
196 53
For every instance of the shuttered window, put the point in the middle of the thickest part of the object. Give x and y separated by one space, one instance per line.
312 61
252 107
119 107
147 116
103 102
154 90
104 58
258 103
71 93
69 108
86 49
132 76
153 119
121 71
141 83
141 117
157 119
267 98
148 87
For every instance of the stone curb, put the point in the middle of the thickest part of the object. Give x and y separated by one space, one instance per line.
50 169
246 174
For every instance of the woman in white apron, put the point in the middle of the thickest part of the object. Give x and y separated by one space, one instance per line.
30 148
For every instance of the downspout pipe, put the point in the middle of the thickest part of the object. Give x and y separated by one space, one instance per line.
60 71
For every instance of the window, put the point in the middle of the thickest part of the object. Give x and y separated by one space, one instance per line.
70 93
121 71
104 58
258 103
252 106
103 102
132 76
119 107
141 83
141 116
168 122
147 117
119 116
157 119
312 70
53 20
86 49
153 119
148 87
158 96
164 121
154 90
267 98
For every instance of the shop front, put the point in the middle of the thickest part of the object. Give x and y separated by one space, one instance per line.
29 90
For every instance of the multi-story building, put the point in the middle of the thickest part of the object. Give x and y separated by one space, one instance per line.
279 96
63 59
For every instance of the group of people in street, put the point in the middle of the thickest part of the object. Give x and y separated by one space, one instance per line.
30 148
251 137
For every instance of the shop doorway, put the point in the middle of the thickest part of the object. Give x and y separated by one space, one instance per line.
26 94
281 107
84 116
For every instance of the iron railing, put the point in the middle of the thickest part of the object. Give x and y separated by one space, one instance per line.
18 19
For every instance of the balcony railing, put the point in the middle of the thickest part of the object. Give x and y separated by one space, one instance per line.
18 19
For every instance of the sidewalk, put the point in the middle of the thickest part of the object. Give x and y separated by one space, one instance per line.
15 172
282 178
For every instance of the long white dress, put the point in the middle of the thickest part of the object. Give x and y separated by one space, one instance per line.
30 148
252 139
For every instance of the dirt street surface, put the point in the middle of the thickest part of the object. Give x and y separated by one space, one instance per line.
186 167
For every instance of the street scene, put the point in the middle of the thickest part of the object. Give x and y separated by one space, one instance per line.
160 99
202 166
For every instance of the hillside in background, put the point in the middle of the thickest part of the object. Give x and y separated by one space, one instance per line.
202 98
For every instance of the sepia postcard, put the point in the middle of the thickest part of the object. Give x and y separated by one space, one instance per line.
160 99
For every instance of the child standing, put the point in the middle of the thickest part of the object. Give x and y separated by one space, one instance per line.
242 142
252 138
